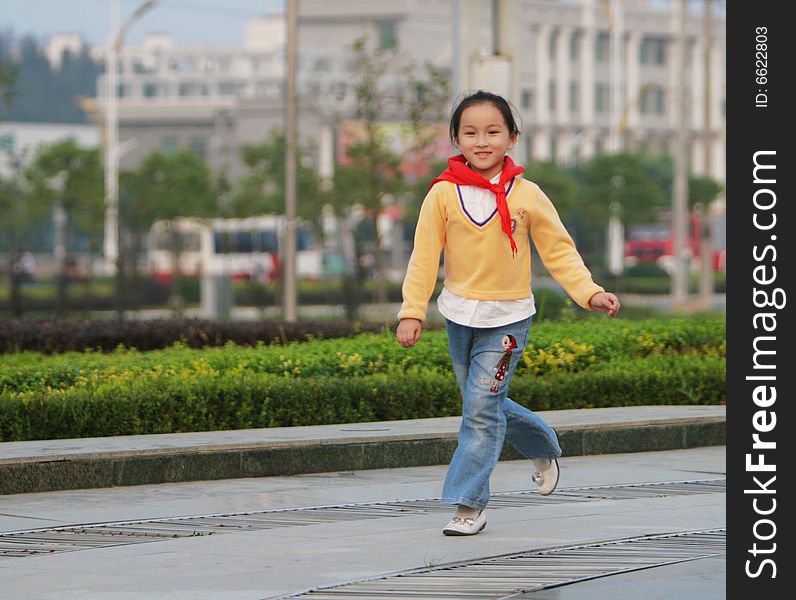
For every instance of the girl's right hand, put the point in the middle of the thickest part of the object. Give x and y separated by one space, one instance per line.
408 332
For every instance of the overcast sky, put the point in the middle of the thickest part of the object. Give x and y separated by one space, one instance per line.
189 21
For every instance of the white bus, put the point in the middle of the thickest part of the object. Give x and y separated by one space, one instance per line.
251 248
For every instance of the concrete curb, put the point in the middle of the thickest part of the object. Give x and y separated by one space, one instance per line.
31 467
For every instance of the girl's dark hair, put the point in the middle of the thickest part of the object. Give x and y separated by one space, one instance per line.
481 97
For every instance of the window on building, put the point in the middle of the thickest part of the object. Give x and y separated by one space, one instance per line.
653 101
554 148
601 98
574 46
644 103
574 96
170 144
421 91
140 68
198 145
178 65
552 43
528 147
229 88
653 51
388 35
601 44
660 101
551 104
150 90
7 141
526 99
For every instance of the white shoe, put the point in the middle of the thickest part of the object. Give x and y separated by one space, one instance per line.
546 476
466 526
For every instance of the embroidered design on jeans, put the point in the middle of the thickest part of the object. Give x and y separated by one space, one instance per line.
509 343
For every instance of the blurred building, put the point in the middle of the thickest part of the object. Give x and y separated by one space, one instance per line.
579 94
19 141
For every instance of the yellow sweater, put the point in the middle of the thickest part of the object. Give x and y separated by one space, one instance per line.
478 260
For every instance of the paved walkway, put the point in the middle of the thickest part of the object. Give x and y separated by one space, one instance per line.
311 531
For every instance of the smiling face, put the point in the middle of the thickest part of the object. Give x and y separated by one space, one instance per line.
484 138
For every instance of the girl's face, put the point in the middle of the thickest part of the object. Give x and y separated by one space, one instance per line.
484 138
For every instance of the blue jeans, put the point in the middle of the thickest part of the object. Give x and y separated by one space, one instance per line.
484 360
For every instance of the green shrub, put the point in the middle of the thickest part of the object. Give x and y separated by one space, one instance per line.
646 270
585 363
552 346
168 401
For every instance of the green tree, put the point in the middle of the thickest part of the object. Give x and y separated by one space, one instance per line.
78 172
66 176
621 177
610 178
382 88
8 77
262 190
165 187
560 187
39 92
417 192
20 215
701 188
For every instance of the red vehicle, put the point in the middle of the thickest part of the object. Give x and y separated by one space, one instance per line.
653 243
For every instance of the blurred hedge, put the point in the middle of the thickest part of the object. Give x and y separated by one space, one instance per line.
589 363
553 347
63 335
52 336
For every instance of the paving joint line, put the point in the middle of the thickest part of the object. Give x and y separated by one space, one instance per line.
317 592
172 528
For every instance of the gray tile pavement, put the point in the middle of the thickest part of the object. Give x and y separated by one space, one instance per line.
269 563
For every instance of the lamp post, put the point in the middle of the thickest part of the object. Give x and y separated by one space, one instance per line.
59 247
110 246
616 238
679 292
289 273
616 25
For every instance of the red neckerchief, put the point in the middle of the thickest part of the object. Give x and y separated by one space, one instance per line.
458 172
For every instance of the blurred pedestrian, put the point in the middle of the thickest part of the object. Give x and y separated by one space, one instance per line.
481 212
23 267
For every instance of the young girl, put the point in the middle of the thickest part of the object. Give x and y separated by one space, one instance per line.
481 212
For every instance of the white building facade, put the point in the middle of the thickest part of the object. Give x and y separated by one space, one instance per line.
19 142
586 76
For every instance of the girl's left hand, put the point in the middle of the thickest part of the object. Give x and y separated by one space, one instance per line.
605 302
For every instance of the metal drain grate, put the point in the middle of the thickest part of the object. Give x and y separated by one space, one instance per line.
101 535
511 575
